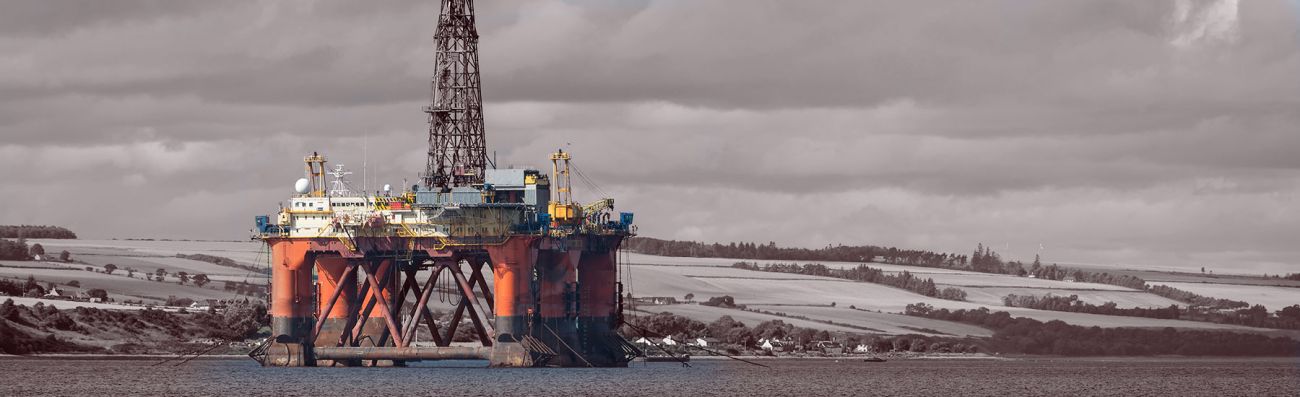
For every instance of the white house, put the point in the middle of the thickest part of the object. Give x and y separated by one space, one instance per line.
642 341
862 349
772 345
668 341
705 342
55 293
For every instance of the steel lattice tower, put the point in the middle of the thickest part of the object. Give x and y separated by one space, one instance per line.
457 148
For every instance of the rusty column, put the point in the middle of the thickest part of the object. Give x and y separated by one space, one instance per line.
558 279
597 307
512 274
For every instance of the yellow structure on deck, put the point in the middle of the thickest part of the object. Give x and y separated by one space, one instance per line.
562 208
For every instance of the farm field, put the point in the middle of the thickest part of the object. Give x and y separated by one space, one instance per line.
248 253
149 256
171 265
887 323
119 286
1002 280
748 289
41 264
708 314
1273 298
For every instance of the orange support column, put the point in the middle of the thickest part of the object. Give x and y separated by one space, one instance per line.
292 295
513 297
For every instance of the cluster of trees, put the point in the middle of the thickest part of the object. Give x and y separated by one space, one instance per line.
14 250
18 250
719 301
35 231
1073 304
16 341
904 280
29 288
987 261
243 288
1292 276
1029 336
223 261
1253 316
1194 299
236 323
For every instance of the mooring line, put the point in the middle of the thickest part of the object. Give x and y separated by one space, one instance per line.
645 332
214 346
566 345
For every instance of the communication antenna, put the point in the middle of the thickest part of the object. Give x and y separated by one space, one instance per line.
340 185
365 156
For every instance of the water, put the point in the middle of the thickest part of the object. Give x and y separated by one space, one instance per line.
1118 377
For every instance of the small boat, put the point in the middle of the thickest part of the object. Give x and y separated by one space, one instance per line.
873 360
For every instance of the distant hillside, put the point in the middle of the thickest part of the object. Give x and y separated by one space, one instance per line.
746 250
35 231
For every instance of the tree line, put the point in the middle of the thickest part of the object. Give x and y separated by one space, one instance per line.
223 261
1253 316
905 280
1029 336
769 251
35 231
1195 300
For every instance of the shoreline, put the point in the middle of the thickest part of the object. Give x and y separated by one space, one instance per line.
853 358
122 357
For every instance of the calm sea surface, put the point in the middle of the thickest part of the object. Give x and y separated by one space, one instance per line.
1061 377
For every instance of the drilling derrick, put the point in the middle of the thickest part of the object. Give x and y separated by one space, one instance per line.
533 275
457 149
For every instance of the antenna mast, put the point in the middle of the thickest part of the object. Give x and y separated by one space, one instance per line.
457 148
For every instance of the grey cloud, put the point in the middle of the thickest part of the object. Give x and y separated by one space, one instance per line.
1107 128
39 18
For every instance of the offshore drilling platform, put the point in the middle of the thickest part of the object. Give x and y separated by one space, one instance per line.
352 274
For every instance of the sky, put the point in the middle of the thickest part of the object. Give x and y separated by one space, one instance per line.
1155 133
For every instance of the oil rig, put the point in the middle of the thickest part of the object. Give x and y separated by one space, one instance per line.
535 273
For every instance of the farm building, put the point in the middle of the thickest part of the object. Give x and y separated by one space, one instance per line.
830 347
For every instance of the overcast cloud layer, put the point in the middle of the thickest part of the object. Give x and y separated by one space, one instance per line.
1161 133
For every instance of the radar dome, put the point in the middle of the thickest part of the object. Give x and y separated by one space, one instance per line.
301 186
